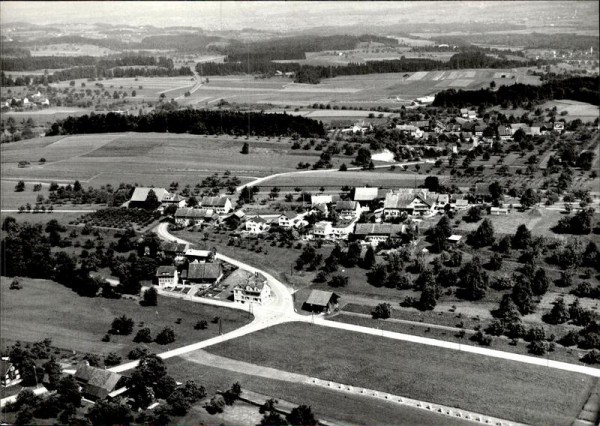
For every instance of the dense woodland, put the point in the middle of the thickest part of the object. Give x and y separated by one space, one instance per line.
192 121
314 74
584 89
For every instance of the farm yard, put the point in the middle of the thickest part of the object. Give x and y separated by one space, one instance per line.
514 391
45 309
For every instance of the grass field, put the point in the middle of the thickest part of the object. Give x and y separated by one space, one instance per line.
514 391
46 309
150 159
350 409
581 110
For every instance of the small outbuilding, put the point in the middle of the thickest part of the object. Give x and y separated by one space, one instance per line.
454 239
321 301
97 383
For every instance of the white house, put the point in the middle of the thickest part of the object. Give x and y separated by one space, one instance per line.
187 216
322 230
167 276
320 199
343 228
221 205
254 290
199 255
375 233
413 202
348 209
410 130
256 225
9 374
171 199
291 219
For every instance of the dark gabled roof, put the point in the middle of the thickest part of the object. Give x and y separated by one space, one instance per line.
346 205
378 229
96 382
4 367
170 247
204 271
165 271
320 297
256 219
289 214
191 213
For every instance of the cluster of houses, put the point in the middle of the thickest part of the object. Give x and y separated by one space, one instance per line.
37 100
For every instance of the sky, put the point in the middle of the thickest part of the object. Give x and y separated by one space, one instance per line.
268 15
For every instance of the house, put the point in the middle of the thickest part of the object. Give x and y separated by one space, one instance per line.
472 114
347 209
410 130
343 228
505 133
291 219
454 239
254 290
194 255
497 211
320 199
516 126
234 219
559 126
140 194
464 113
257 225
221 205
321 301
482 191
172 249
173 200
413 202
378 232
322 230
421 124
453 127
204 274
479 130
442 201
9 374
366 195
97 383
166 276
340 124
190 216
461 204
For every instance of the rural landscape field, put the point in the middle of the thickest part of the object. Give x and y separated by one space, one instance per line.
300 214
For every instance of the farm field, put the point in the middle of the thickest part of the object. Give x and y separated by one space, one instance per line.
46 116
514 391
47 309
350 409
75 49
148 158
380 89
575 110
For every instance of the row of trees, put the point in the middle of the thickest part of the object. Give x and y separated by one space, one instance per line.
192 121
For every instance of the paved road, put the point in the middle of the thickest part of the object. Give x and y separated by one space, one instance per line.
263 179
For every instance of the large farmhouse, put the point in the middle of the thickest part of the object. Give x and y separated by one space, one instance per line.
140 195
255 290
412 202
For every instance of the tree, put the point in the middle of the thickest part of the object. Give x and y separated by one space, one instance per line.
529 198
540 283
273 418
166 336
473 214
112 359
53 370
353 255
484 235
122 325
432 183
473 280
522 238
559 314
363 157
496 190
523 296
245 148
369 259
68 389
150 297
428 298
302 416
143 335
152 202
8 223
20 187
382 311
343 167
105 412
338 281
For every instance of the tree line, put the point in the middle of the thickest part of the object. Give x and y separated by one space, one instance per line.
313 73
192 121
583 89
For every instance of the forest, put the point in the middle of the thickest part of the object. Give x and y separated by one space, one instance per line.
583 89
192 121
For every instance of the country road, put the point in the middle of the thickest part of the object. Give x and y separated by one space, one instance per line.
281 310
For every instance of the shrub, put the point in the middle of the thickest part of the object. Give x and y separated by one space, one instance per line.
382 311
166 336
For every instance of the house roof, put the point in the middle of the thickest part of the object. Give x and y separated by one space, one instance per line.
504 131
191 213
365 194
214 201
443 198
454 238
257 219
204 271
378 229
4 367
289 214
96 382
197 253
165 271
420 123
172 198
322 225
173 247
140 194
482 189
346 205
517 126
320 297
320 199
405 196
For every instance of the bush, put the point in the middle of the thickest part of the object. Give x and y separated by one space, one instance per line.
166 336
122 326
143 336
201 325
112 359
382 311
